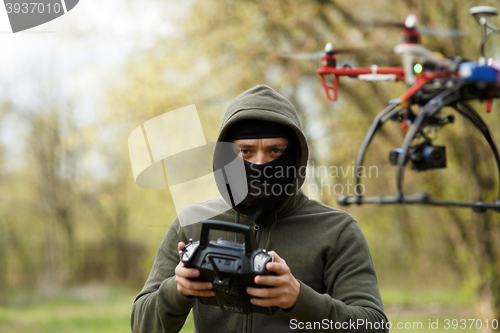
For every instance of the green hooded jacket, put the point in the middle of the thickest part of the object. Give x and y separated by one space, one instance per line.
324 248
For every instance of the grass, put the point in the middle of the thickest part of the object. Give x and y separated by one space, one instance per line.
396 297
418 311
105 309
92 309
95 308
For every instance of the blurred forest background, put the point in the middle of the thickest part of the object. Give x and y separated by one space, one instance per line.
72 217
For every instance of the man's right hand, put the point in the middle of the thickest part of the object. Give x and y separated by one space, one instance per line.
188 287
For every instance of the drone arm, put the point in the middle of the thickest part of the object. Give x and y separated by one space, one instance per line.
377 123
419 84
472 115
331 90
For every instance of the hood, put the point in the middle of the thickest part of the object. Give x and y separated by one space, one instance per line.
263 103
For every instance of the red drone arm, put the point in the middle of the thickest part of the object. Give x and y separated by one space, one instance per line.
332 89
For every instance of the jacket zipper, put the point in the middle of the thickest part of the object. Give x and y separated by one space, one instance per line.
249 323
248 327
258 234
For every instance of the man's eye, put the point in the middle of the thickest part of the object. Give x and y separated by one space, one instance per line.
276 151
245 151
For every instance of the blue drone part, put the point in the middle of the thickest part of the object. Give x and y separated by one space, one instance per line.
472 71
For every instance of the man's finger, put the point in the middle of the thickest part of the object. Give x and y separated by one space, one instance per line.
264 292
263 302
268 280
194 292
187 272
193 285
277 258
203 293
277 268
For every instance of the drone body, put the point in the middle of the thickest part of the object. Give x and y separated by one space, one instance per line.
434 82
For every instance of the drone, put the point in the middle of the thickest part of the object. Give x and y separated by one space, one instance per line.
434 83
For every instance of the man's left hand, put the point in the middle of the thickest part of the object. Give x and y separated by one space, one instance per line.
286 289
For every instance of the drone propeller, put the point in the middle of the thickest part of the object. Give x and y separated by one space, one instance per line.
442 32
329 50
411 24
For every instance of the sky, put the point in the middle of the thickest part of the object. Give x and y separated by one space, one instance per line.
79 53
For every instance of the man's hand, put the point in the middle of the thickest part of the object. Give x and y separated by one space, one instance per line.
286 289
188 287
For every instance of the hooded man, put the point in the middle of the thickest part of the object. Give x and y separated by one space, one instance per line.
324 275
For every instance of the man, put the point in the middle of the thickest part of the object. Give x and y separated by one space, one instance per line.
325 279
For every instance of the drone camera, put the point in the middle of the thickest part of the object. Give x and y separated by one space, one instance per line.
430 157
423 157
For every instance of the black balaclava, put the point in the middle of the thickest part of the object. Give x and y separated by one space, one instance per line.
267 183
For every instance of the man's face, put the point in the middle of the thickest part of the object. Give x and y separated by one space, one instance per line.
261 151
